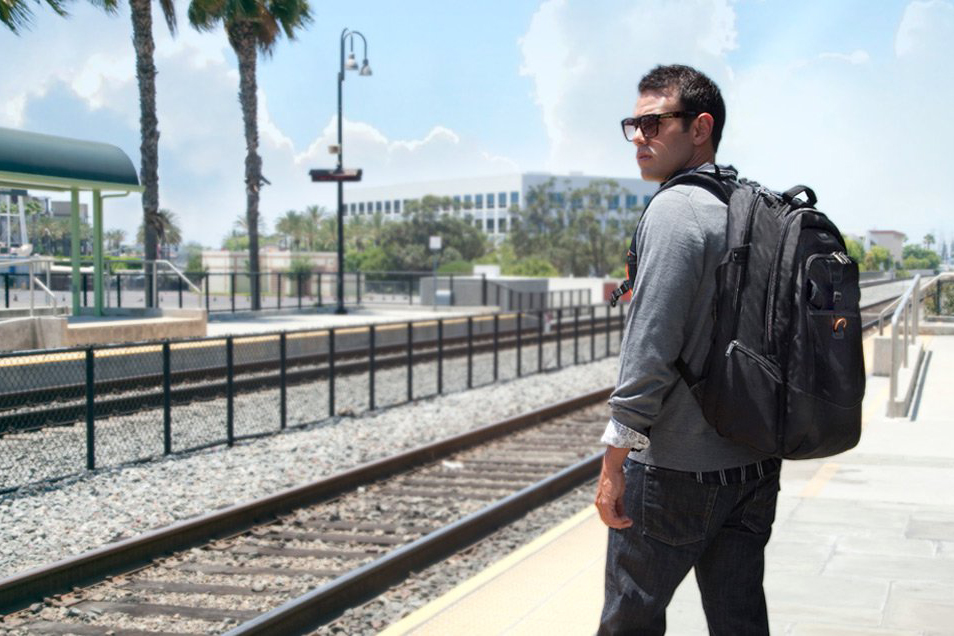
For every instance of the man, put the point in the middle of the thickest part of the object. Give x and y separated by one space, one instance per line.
675 494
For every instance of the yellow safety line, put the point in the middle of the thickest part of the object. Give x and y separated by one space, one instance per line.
416 619
44 358
818 481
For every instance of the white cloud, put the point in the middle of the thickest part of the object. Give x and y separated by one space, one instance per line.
868 132
202 147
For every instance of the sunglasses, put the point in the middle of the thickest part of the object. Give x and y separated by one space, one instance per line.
649 124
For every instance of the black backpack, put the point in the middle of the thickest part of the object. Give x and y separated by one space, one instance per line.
785 372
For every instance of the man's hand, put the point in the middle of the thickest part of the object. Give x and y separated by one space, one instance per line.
609 491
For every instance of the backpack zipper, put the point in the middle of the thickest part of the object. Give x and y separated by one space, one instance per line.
759 360
773 275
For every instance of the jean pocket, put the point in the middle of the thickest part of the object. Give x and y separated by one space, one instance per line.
676 508
758 515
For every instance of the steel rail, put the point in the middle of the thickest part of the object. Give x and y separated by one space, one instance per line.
19 590
303 614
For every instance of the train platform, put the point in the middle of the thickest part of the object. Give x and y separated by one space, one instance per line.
225 324
863 543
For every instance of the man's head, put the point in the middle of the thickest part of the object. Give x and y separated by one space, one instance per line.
686 133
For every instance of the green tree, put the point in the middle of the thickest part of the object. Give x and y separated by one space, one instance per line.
114 239
252 26
291 226
18 14
878 258
917 257
929 240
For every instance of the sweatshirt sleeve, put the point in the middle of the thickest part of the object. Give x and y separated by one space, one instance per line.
670 248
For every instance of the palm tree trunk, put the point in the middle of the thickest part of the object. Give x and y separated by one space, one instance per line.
141 11
242 38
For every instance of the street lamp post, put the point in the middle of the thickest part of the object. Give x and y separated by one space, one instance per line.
351 65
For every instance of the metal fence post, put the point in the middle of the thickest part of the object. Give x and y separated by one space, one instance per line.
6 290
371 330
208 283
90 410
331 372
298 283
559 333
519 343
496 342
179 278
410 362
540 341
229 391
576 335
440 356
232 290
279 291
357 286
592 333
470 352
452 301
483 289
319 290
85 279
410 290
283 373
166 398
119 291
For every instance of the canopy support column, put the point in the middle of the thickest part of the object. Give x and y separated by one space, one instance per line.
98 251
75 249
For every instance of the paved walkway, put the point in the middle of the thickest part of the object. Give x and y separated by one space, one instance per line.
863 543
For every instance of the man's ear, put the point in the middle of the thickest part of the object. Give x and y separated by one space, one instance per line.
702 128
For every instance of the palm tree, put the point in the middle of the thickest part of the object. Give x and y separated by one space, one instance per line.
114 239
141 13
17 14
166 226
292 226
251 26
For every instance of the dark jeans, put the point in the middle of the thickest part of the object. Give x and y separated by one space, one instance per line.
678 524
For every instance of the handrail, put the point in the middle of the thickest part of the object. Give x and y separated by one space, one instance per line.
37 281
907 310
155 279
894 304
30 263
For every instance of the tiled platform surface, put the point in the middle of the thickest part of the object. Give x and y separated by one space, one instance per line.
863 543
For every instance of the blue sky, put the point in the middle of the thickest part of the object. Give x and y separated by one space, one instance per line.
847 96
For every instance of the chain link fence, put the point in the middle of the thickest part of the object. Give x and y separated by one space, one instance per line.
68 411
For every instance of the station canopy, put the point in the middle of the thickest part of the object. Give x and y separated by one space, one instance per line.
34 161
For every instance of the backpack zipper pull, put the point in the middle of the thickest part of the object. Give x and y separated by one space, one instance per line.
731 346
842 258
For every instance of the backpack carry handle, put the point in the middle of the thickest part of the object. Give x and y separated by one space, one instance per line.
790 194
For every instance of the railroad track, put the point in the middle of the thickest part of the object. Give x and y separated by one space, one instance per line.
292 561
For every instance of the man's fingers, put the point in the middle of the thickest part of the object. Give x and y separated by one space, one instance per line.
611 513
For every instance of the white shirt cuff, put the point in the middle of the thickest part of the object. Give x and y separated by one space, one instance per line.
620 436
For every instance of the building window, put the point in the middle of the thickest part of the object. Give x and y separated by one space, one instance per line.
479 201
377 206
490 200
360 208
353 208
503 225
612 202
514 198
631 201
502 199
576 201
478 224
646 199
397 206
490 225
387 207
467 201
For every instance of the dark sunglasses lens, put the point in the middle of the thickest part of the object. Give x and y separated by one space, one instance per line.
629 129
649 125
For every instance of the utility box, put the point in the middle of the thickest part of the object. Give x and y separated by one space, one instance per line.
444 297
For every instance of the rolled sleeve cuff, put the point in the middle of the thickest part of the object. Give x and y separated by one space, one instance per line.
621 436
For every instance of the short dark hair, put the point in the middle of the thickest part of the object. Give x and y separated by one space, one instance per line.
697 93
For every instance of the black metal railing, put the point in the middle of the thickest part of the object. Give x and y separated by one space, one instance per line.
231 291
67 411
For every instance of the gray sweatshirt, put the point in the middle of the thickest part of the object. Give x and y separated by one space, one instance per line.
679 243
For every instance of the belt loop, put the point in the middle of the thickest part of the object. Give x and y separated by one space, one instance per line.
722 478
761 472
699 478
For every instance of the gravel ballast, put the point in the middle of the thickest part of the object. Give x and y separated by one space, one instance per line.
46 524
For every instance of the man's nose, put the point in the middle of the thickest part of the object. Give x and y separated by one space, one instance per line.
638 138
